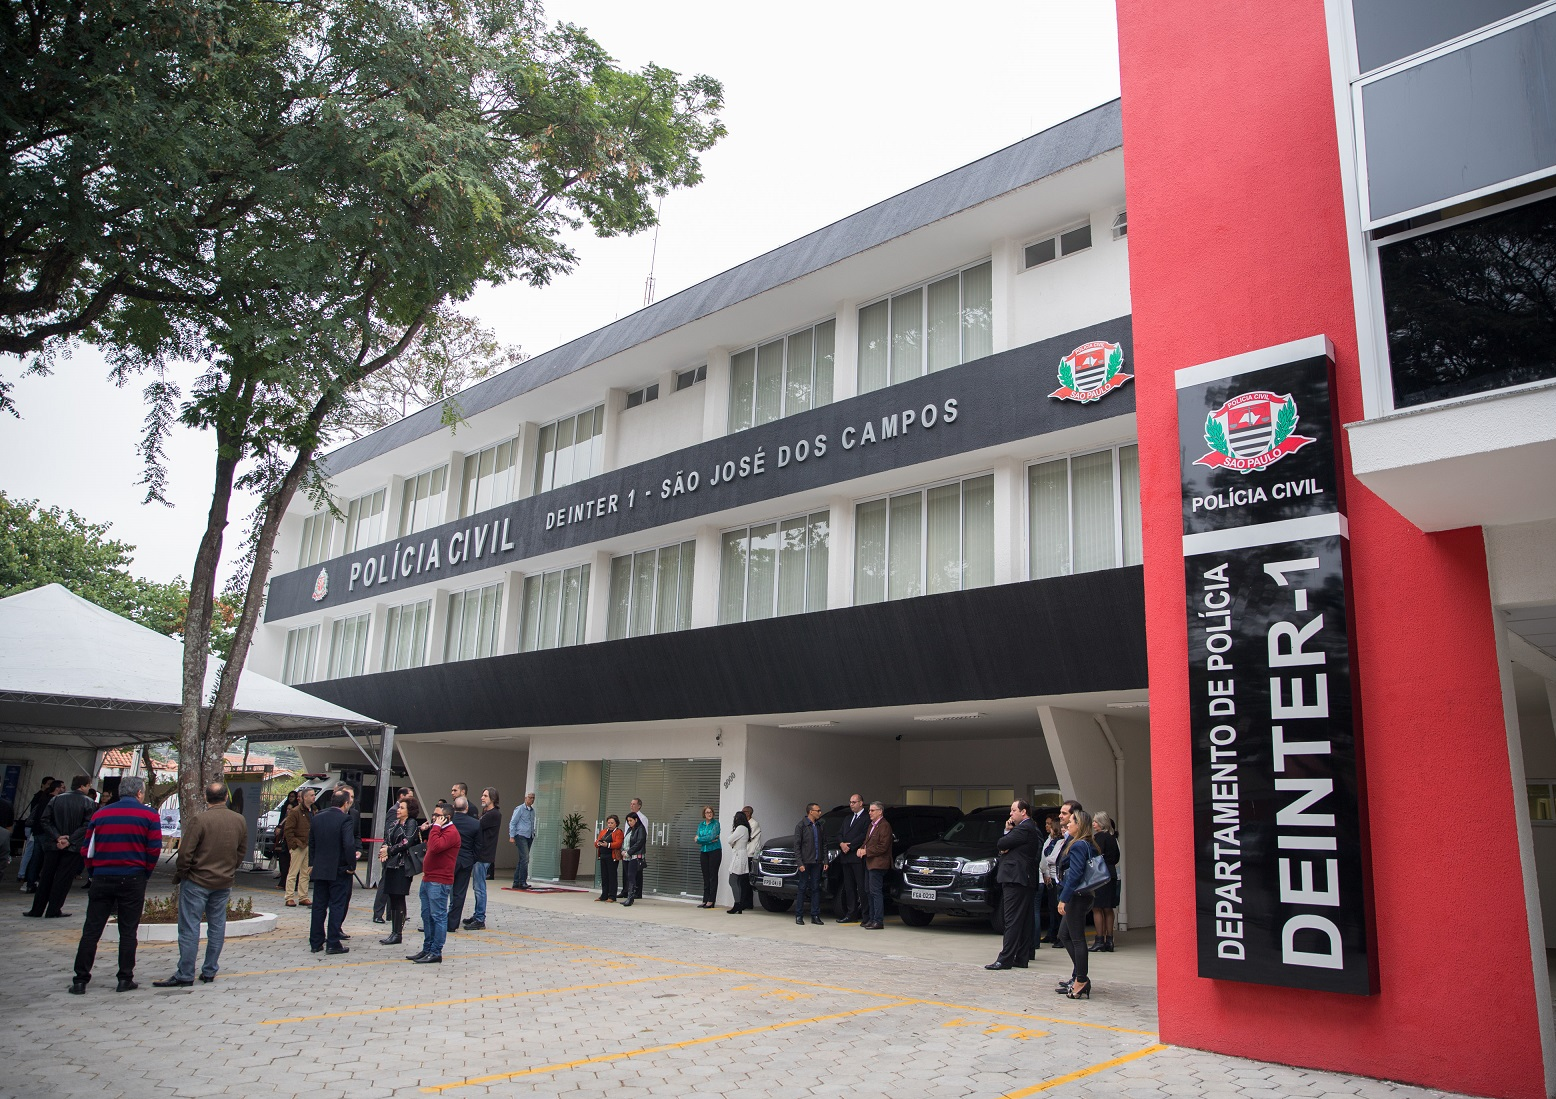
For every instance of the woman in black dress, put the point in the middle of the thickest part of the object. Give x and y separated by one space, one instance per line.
399 838
1104 912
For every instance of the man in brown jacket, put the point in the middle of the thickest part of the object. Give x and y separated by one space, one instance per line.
209 854
877 860
294 833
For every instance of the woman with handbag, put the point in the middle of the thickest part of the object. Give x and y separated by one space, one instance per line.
740 863
607 848
398 866
1075 901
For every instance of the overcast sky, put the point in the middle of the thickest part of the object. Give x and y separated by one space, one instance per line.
830 107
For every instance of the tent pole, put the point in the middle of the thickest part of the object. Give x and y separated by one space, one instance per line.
381 806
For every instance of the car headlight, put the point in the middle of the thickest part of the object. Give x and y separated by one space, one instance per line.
832 854
979 866
900 861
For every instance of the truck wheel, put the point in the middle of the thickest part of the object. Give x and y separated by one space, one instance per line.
915 917
775 904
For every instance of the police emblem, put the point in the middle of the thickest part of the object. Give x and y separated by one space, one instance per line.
1252 431
1091 372
321 586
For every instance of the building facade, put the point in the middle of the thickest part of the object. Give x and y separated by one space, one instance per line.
861 514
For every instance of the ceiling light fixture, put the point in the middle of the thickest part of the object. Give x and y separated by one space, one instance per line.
1129 705
808 725
948 717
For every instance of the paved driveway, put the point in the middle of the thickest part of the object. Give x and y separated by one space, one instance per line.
562 996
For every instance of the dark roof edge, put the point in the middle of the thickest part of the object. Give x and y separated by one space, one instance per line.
1048 152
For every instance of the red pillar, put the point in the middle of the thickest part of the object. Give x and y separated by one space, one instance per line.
1237 242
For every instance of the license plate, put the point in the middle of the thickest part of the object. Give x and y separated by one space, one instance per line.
772 883
922 895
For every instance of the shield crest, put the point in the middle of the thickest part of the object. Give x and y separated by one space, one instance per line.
1091 372
1250 429
321 586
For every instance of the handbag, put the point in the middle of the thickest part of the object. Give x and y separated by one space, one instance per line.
413 857
1098 874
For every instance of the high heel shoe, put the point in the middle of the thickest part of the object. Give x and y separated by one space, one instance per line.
1064 987
1082 993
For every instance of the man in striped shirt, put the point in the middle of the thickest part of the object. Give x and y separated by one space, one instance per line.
123 842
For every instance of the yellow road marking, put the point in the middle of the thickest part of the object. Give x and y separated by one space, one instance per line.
1079 1074
835 988
472 999
387 961
475 1081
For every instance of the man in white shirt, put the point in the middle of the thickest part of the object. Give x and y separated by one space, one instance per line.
521 833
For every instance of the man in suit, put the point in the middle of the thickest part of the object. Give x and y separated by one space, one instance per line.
1019 849
61 832
469 828
332 859
877 858
851 854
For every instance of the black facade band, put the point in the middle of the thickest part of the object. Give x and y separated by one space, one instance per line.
1065 635
994 400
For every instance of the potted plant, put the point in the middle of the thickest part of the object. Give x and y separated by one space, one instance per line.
159 919
572 832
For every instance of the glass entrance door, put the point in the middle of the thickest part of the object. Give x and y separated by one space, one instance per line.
545 856
673 792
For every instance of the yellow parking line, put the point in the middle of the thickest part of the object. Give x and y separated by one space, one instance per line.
475 1081
473 999
832 988
322 967
1079 1074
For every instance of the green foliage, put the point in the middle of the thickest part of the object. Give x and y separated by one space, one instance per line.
1215 435
165 909
1285 422
572 830
1115 363
1066 374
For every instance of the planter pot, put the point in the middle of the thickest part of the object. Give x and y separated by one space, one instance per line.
257 924
570 857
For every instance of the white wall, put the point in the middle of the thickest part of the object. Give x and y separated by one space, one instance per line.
672 422
435 767
1072 291
1019 762
789 767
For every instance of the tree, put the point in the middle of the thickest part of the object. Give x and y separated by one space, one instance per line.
41 546
382 158
452 353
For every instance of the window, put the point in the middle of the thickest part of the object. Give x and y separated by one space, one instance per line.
348 646
967 798
643 396
927 328
421 503
782 377
1542 805
1065 243
302 647
472 623
570 450
1121 225
651 592
1084 512
685 379
930 540
488 481
405 635
772 569
1467 308
318 539
365 521
556 608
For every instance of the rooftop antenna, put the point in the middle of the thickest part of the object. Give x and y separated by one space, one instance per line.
648 283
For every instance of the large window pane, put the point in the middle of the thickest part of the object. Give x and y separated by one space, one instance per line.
564 451
1129 503
683 619
575 596
870 552
943 567
742 389
818 537
799 370
977 312
904 547
1048 510
529 639
732 576
978 532
874 346
365 521
550 609
762 576
944 341
907 320
1093 519
667 589
620 597
769 382
545 459
456 621
644 572
826 339
791 565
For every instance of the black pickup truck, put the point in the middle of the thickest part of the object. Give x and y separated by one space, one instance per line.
773 872
953 875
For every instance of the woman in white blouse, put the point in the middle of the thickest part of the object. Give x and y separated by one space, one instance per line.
740 864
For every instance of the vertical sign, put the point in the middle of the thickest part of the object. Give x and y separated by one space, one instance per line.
1282 890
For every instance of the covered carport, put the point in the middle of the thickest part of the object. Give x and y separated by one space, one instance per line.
77 680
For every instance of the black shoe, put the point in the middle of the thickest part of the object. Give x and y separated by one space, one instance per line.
873 926
733 911
416 957
996 965
429 959
453 929
1021 965
800 920
125 985
476 925
207 980
30 914
817 920
1081 993
1107 947
343 935
391 940
58 915
337 949
173 982
1095 948
78 987
379 919
315 949
626 904
848 919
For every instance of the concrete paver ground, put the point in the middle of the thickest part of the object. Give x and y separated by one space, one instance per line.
564 996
